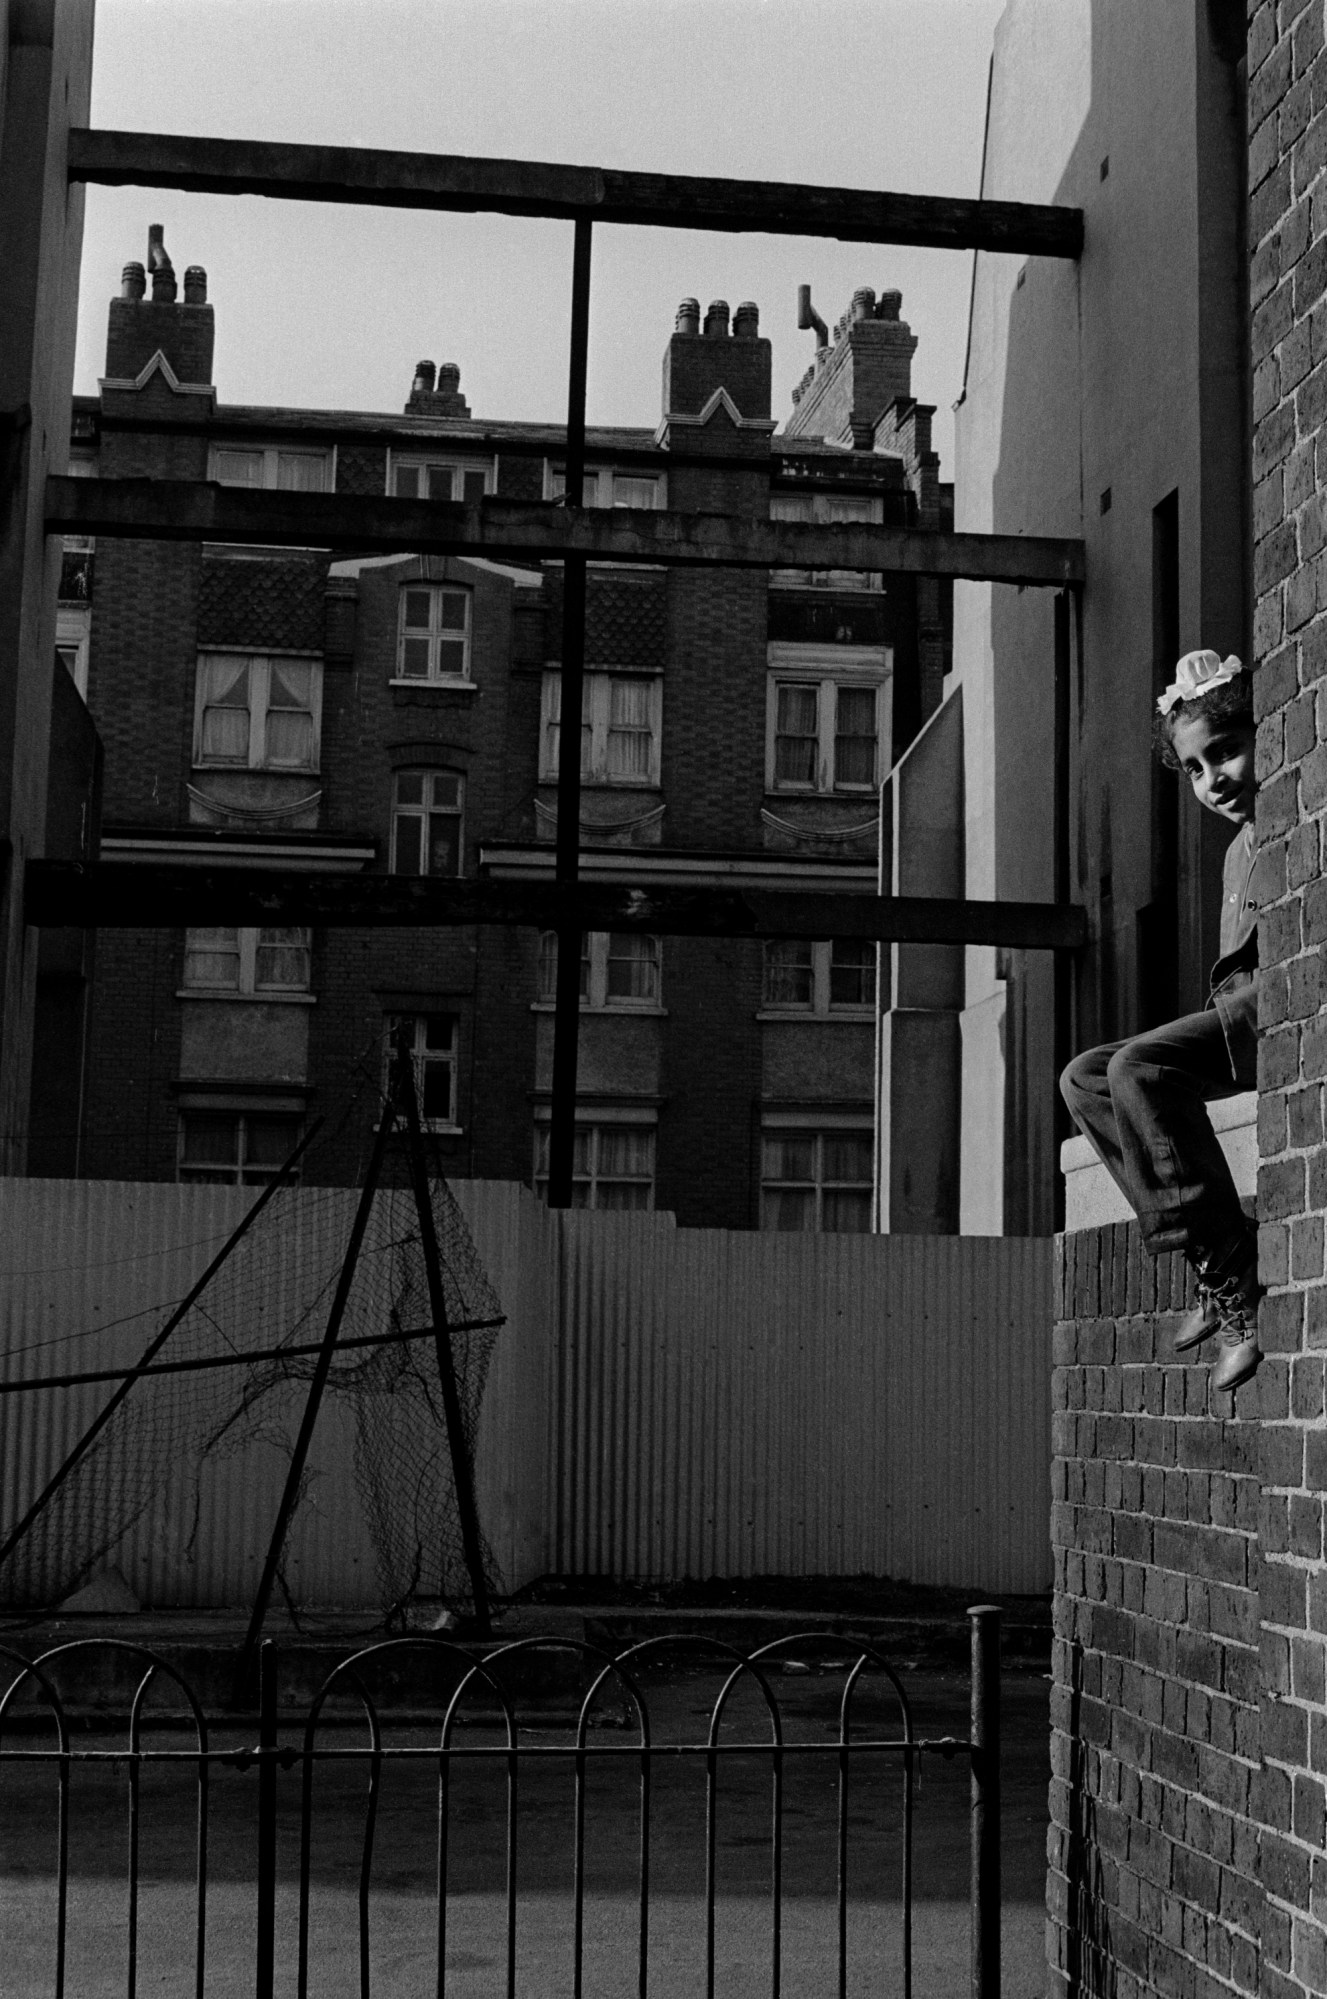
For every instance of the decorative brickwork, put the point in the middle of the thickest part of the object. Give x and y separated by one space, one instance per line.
624 620
361 469
262 602
520 478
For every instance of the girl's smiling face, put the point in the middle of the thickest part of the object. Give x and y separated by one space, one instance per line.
1217 758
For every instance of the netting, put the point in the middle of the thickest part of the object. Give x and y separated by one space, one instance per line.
274 1291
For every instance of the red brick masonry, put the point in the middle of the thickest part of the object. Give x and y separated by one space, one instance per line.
1186 1812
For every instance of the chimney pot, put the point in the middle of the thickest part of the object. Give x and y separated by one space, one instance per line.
746 321
863 302
160 265
425 375
890 306
688 316
133 281
716 319
195 285
449 379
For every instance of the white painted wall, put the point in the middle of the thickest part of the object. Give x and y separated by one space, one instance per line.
1120 373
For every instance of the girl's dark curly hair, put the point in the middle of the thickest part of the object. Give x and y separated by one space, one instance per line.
1231 702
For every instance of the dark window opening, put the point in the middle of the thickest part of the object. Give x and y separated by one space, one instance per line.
1158 921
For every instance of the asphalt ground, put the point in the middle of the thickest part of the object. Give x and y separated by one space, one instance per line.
403 1938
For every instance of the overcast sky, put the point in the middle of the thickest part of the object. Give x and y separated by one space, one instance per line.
328 307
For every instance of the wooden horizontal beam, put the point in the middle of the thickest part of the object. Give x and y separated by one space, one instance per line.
118 895
359 174
198 510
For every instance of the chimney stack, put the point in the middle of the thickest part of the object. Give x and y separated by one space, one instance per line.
139 326
843 395
444 399
698 364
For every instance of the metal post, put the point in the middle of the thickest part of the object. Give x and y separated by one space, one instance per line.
985 1736
1062 965
884 999
265 1969
567 1008
462 1470
322 1368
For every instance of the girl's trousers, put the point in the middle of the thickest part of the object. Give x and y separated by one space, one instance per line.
1141 1105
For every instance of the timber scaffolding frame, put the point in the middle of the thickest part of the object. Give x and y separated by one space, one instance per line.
106 894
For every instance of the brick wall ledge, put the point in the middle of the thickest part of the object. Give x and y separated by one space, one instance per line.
1093 1201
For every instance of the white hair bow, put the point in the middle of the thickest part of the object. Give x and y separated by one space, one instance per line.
1198 673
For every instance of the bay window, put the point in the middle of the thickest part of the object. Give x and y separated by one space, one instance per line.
255 711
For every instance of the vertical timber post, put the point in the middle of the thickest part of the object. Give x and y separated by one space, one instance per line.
985 1736
462 1467
265 1953
567 1007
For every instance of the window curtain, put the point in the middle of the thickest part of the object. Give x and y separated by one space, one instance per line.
225 733
290 715
629 731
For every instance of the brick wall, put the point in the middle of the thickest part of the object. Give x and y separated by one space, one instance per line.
1288 253
144 649
139 328
1156 1723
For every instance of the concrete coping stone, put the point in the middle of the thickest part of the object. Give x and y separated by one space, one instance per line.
1093 1201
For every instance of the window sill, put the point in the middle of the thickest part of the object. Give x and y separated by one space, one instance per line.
257 770
854 794
642 1011
604 783
431 1127
453 683
244 999
851 1016
780 580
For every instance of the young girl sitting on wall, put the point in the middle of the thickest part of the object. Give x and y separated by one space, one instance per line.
1140 1103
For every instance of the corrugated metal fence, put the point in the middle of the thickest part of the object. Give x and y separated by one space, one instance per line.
663 1402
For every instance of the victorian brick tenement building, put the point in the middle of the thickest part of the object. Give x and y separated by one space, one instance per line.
265 706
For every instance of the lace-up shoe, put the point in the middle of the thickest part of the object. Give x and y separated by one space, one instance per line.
1198 1324
1236 1300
